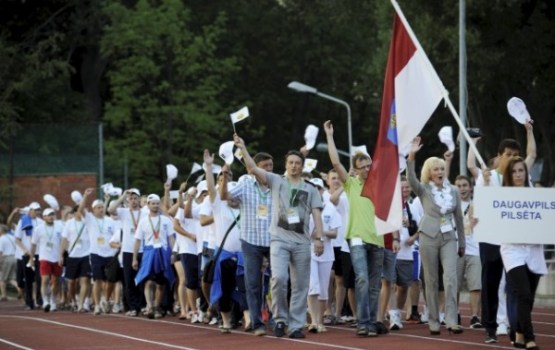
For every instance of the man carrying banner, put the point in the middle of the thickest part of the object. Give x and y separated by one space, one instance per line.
367 248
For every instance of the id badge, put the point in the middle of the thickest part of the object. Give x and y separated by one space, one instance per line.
293 216
132 231
356 241
157 243
445 225
100 240
79 244
49 245
262 212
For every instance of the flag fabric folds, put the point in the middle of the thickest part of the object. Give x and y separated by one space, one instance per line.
411 93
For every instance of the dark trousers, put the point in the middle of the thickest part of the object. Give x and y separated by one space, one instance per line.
30 276
492 269
133 293
524 284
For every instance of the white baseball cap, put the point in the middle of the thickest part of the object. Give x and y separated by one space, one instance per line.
153 197
317 182
201 187
134 191
34 205
97 203
48 211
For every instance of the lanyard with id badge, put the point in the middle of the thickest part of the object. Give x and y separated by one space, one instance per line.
157 243
262 210
292 212
445 224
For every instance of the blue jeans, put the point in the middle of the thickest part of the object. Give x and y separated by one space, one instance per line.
296 258
253 256
367 262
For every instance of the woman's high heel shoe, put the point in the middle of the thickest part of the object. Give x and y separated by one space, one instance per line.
455 330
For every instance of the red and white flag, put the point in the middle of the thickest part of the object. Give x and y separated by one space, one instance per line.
412 91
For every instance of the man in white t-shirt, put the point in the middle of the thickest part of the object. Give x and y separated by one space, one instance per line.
469 267
48 238
75 240
101 229
129 216
26 273
155 233
8 262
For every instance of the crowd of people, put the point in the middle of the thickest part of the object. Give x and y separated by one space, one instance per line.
288 253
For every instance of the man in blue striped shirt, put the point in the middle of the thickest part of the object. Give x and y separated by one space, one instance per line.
255 201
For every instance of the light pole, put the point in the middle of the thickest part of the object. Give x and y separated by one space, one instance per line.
300 87
323 147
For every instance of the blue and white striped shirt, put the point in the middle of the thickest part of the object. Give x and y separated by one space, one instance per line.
254 228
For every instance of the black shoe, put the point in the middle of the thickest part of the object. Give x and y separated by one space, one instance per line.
455 330
475 322
381 328
279 329
47 308
297 334
490 338
519 345
438 332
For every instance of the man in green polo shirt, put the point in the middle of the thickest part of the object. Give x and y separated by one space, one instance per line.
367 248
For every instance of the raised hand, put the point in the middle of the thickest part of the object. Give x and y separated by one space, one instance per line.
239 142
415 145
208 158
328 128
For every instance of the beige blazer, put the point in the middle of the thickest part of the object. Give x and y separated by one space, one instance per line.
430 224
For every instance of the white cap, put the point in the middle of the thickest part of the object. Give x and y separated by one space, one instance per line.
34 205
76 197
317 182
201 187
153 197
47 211
97 203
134 191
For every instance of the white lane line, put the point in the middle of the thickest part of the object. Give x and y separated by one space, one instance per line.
490 346
322 344
15 345
103 332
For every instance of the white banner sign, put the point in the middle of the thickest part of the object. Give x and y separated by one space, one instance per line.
514 215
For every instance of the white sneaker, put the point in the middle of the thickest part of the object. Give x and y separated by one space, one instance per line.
502 329
194 317
213 321
116 308
201 317
104 306
53 307
424 317
395 323
87 305
97 310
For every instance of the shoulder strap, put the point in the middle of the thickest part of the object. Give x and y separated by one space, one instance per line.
78 236
225 237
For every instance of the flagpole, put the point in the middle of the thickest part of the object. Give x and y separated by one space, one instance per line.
433 72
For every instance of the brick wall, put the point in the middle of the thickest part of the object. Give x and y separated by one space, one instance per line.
32 188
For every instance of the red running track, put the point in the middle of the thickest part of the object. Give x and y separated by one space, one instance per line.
34 330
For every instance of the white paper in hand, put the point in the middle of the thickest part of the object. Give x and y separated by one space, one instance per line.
517 109
171 172
116 191
226 152
196 167
310 135
238 154
446 137
359 149
309 165
107 188
76 197
51 201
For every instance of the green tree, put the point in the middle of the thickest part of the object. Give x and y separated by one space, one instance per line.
165 83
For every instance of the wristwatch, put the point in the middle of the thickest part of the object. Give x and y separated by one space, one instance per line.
321 238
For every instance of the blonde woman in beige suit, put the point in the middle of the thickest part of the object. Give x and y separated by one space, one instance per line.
440 228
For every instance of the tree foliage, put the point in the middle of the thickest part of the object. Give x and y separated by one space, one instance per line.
163 75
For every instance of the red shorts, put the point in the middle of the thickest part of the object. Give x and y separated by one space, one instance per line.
48 268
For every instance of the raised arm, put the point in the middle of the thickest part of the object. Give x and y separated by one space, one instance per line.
448 157
471 161
530 145
334 155
86 195
114 205
249 162
416 186
208 161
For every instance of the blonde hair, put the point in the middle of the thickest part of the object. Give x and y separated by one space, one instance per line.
427 168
